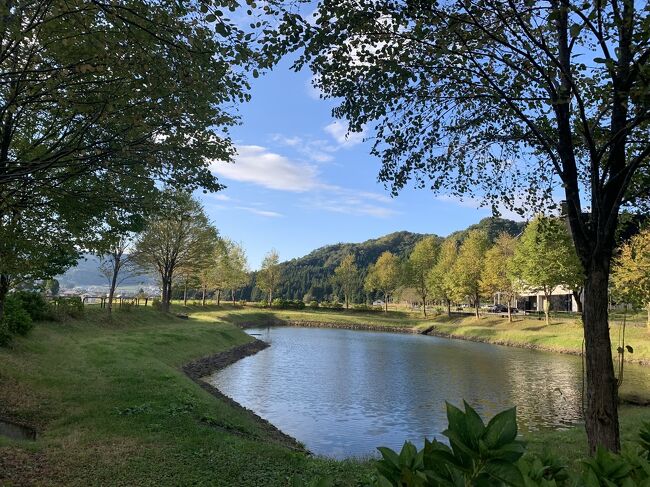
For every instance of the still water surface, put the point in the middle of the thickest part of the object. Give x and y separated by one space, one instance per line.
345 392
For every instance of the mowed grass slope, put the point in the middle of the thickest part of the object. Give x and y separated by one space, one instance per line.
115 409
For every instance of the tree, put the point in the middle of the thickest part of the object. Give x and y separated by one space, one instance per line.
466 280
52 287
236 268
385 276
178 236
100 103
346 276
440 279
497 276
545 258
116 265
504 101
268 276
631 273
418 267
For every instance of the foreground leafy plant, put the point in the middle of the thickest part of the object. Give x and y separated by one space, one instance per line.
490 456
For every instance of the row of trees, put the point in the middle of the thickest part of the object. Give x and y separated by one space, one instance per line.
541 259
181 247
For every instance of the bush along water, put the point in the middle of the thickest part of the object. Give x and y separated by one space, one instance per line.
490 455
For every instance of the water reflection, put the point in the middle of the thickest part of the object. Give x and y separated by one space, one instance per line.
345 392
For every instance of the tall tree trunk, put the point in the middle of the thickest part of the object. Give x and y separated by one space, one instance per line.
4 290
203 295
509 313
347 302
185 293
232 293
602 389
218 297
448 308
386 302
477 304
576 295
424 305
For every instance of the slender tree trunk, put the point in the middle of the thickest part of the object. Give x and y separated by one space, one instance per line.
424 305
218 297
547 309
185 293
602 389
270 297
477 304
347 302
203 295
232 293
164 305
576 295
448 308
509 313
386 302
111 290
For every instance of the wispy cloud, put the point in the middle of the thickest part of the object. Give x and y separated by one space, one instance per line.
258 165
316 150
220 197
257 211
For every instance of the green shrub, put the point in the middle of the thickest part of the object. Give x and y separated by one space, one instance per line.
67 307
156 304
5 336
313 304
17 321
34 303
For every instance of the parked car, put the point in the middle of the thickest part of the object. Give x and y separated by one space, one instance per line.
498 308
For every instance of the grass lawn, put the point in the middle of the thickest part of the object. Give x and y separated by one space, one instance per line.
115 408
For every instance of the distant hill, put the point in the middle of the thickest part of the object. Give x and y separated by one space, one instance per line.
86 274
310 276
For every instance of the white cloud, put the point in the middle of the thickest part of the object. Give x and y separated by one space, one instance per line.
339 132
257 165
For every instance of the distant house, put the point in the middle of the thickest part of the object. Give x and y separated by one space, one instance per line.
562 299
378 302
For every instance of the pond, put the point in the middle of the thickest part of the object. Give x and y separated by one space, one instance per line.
345 392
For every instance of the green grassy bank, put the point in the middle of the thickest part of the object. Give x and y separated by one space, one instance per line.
114 408
561 335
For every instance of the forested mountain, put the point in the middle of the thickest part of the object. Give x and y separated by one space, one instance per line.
309 277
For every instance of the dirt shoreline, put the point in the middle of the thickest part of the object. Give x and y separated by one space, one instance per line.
199 369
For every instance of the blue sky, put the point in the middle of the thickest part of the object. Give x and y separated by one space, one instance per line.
298 183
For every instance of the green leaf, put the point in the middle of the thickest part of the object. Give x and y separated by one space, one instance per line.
506 472
502 429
